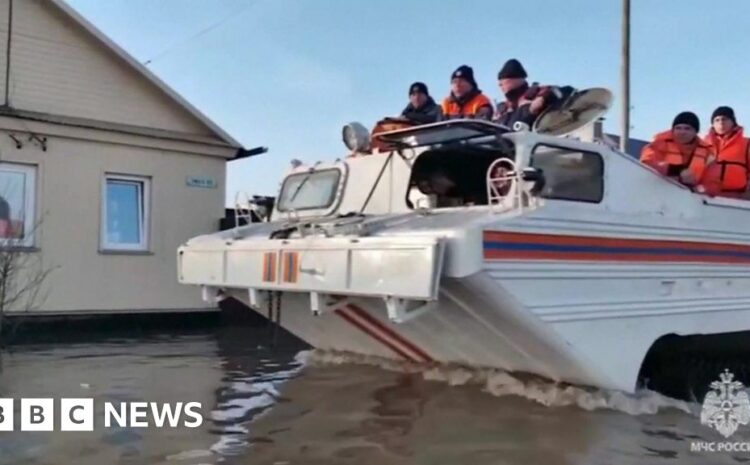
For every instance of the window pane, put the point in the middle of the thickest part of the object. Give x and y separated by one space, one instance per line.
570 175
12 204
124 212
306 191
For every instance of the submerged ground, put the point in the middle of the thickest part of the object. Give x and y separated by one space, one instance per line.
271 405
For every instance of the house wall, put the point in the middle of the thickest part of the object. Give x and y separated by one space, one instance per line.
57 67
69 203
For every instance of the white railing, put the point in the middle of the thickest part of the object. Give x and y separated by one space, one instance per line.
244 207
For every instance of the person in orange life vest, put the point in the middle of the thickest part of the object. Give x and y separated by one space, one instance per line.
466 100
522 103
728 175
679 153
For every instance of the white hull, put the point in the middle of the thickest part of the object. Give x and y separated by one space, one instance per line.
479 323
575 291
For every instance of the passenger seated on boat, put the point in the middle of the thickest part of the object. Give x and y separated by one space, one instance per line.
728 174
421 109
522 103
679 153
466 100
454 175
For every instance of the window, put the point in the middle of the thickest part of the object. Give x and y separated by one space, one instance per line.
570 174
125 213
17 193
309 191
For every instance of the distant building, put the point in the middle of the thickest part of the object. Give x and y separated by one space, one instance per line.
105 170
595 131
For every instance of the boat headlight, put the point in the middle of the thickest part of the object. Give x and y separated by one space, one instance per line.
356 137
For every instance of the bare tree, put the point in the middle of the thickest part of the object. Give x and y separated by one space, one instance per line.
22 281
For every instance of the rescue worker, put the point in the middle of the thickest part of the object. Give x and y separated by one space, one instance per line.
679 153
421 109
728 175
466 100
522 102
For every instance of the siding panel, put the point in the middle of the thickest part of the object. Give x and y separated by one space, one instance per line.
3 46
59 68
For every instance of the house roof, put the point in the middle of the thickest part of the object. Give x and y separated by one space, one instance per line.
145 72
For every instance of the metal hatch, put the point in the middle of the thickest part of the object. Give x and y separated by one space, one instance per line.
443 132
574 112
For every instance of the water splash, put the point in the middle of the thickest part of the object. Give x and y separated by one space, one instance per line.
501 383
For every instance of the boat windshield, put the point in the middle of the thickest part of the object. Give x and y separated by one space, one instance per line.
570 174
313 190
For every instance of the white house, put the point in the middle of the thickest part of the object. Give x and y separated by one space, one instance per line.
104 170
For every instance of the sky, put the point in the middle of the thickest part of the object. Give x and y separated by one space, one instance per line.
288 74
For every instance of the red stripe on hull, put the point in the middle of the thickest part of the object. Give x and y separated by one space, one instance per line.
490 254
391 333
354 322
596 241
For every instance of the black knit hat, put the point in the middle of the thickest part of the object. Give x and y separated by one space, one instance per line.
724 111
418 87
689 118
512 69
465 72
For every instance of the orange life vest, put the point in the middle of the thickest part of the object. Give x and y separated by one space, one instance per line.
729 173
385 125
453 109
670 157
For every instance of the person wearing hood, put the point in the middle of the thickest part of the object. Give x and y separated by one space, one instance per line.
679 153
522 103
466 100
421 109
728 175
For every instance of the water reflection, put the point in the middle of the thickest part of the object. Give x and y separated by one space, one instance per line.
233 372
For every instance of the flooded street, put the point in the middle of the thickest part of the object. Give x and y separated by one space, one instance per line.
274 406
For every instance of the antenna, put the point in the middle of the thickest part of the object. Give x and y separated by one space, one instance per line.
625 76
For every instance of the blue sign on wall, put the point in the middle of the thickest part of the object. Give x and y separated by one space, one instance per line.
201 181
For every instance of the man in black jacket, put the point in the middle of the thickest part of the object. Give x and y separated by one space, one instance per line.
523 103
421 109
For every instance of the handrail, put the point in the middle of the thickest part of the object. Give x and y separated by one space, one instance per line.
504 189
244 207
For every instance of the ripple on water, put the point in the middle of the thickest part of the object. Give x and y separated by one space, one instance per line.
500 383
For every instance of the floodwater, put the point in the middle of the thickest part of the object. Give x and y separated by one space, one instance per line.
275 405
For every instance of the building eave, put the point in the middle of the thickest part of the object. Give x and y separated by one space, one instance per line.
17 121
112 127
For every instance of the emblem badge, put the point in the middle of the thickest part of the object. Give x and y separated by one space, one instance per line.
726 406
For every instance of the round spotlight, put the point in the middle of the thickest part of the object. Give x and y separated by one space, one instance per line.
356 137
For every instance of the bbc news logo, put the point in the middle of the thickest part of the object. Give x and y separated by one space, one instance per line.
78 415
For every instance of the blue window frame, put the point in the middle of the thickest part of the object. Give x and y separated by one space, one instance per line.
125 215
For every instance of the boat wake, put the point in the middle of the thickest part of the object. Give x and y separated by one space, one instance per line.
501 383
